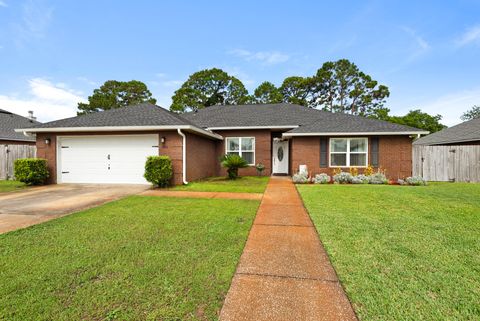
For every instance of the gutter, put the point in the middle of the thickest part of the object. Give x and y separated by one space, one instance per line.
184 156
287 134
204 132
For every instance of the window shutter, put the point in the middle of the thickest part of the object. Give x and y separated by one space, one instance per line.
374 145
323 152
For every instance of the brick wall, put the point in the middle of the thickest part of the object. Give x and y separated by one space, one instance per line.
395 156
202 160
49 152
263 150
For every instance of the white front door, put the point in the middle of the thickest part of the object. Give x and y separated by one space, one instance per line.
105 159
280 157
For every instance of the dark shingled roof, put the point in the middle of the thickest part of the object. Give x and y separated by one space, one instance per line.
144 114
465 132
10 121
309 120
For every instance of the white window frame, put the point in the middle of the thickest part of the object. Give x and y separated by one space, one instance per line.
347 152
240 151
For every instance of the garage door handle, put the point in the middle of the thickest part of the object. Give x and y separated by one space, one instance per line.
65 172
108 156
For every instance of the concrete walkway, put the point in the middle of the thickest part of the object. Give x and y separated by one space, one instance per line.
227 195
284 272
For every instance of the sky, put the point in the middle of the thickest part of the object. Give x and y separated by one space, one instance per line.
53 54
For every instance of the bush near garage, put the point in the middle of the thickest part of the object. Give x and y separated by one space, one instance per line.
158 170
31 171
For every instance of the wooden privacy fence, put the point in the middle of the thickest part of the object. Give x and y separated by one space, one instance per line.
458 163
8 155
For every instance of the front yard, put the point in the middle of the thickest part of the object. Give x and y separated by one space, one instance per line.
403 253
134 259
10 186
244 184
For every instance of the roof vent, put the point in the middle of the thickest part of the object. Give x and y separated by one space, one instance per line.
30 115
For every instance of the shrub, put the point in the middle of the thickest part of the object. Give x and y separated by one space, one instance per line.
322 179
31 171
300 178
158 170
360 179
343 178
416 181
378 178
368 171
232 163
353 171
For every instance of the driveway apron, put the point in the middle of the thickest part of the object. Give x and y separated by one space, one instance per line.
284 272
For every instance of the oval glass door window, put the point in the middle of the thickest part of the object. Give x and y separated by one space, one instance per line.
280 153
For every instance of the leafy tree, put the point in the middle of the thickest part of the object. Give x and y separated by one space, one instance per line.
267 93
417 118
342 87
115 94
338 86
299 90
207 88
473 113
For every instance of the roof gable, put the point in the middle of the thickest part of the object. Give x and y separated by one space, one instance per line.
301 119
10 121
464 132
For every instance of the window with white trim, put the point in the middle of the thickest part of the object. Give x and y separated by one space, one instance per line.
242 146
349 152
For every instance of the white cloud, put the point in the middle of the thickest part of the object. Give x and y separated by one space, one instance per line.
33 24
421 45
265 57
471 35
3 4
47 100
451 106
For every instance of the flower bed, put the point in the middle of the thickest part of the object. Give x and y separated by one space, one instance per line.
340 177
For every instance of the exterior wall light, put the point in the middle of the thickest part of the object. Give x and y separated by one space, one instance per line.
47 141
162 140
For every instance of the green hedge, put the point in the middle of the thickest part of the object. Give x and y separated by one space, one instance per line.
158 170
31 171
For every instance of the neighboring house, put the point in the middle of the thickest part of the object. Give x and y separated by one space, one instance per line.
14 145
9 122
452 154
111 146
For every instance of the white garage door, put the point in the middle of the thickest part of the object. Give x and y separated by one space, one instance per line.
105 159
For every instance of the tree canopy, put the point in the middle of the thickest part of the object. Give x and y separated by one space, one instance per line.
418 119
472 113
116 94
267 93
207 88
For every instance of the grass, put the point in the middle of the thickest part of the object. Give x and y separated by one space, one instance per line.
403 253
140 258
11 186
244 184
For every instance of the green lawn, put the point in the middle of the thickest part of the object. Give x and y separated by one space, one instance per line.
245 184
10 186
134 259
403 253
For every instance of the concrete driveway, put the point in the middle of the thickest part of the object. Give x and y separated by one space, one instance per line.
40 204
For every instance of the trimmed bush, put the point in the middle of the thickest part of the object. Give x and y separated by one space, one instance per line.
322 179
232 163
416 181
342 178
378 178
31 171
300 178
360 179
158 170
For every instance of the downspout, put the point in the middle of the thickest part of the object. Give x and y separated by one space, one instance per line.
184 156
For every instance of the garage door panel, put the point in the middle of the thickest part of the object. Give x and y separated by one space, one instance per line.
105 159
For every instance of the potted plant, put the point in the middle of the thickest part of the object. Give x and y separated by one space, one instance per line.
260 168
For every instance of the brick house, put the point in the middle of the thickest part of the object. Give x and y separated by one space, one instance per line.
111 146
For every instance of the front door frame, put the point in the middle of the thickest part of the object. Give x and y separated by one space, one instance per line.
284 170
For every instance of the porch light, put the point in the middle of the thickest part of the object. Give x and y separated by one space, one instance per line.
47 141
162 140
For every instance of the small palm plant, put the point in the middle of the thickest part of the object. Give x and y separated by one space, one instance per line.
232 163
